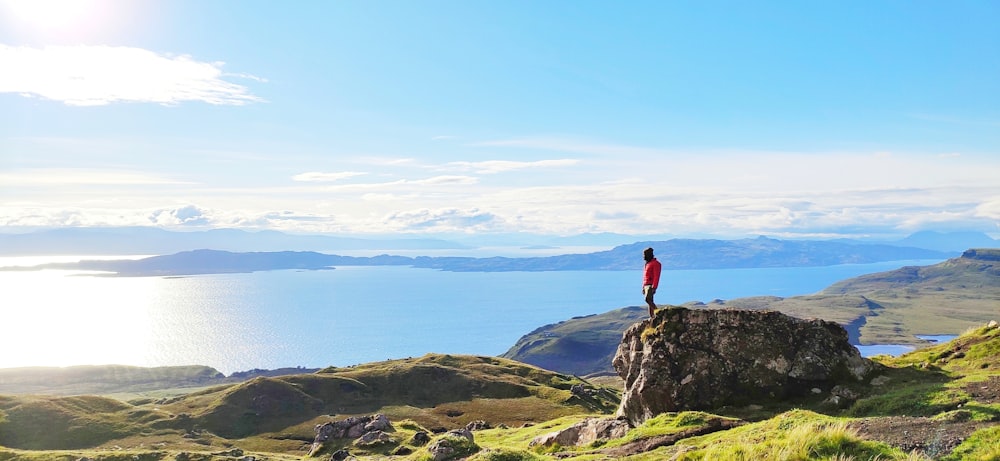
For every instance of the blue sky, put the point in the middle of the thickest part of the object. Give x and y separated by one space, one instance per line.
814 119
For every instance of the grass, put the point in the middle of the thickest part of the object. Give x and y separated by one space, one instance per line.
273 418
795 435
983 445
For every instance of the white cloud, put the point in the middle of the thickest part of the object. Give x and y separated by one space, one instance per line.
400 184
387 161
444 180
316 176
572 145
84 75
189 215
443 220
501 166
69 177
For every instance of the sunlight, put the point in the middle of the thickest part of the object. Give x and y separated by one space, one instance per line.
87 320
57 19
52 14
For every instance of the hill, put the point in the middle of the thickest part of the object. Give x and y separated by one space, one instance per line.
151 240
122 379
434 391
674 254
935 403
882 308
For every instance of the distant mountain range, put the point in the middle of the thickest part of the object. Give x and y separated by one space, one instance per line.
156 241
150 240
674 254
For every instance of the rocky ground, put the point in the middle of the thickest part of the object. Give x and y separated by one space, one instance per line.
933 437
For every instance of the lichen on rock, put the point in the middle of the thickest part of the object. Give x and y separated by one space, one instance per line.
697 359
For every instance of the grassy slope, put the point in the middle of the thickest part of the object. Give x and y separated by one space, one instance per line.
581 345
419 394
954 295
278 414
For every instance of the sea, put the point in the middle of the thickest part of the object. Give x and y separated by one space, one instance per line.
339 317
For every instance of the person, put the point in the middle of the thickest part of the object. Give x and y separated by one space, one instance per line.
650 278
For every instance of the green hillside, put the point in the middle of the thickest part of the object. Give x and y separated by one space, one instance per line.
278 414
940 403
581 345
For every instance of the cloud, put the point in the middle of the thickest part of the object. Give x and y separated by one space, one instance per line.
501 166
614 215
443 220
316 176
572 145
84 75
443 180
189 215
386 161
69 177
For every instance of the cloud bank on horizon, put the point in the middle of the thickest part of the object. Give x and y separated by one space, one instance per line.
638 118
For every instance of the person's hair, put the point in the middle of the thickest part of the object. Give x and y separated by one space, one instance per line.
648 252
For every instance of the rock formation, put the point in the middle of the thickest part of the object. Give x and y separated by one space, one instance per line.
355 427
584 433
695 359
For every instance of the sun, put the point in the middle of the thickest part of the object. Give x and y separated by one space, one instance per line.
57 18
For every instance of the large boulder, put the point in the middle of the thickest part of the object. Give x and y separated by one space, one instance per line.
696 359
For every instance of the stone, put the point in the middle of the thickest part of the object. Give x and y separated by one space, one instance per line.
449 445
477 425
583 433
700 359
373 438
880 380
350 428
420 438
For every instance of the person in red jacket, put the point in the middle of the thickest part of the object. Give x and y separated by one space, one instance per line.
650 278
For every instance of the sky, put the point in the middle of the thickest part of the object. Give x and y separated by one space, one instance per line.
708 118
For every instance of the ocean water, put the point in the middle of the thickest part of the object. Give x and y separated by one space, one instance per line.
349 315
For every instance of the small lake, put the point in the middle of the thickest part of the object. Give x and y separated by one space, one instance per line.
900 349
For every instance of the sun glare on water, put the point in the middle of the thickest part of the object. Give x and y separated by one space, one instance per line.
79 322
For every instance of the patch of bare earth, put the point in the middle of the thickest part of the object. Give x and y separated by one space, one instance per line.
931 437
987 392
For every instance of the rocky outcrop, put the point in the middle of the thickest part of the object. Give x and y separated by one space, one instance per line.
584 433
695 359
366 429
454 444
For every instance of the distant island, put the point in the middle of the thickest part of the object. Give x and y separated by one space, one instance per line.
675 254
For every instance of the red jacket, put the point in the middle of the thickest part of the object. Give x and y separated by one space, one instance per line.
651 274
